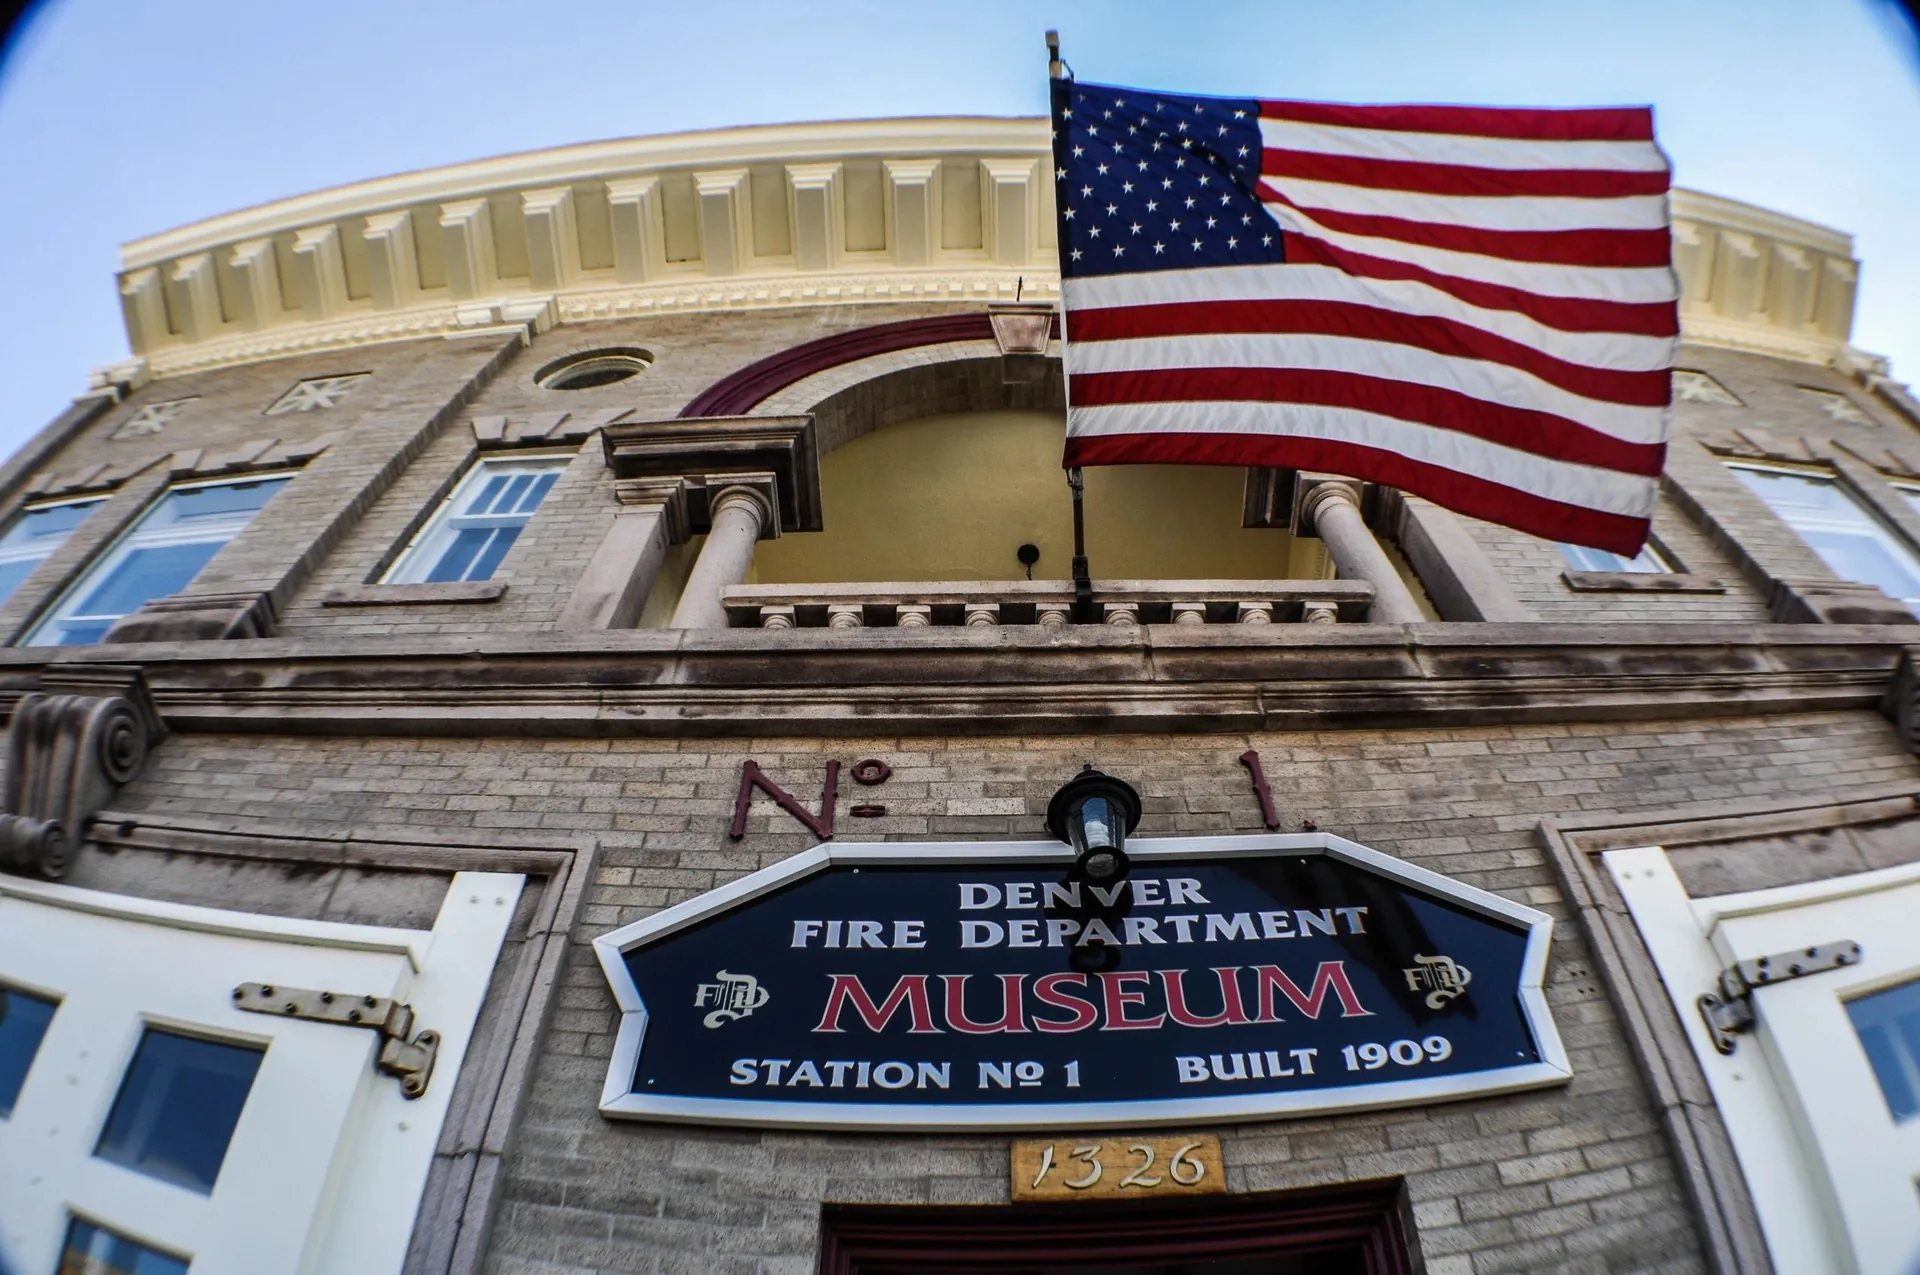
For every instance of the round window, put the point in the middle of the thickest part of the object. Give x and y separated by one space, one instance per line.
592 369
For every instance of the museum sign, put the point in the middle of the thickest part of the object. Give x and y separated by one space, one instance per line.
980 985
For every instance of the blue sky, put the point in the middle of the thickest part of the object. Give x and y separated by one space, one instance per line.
119 118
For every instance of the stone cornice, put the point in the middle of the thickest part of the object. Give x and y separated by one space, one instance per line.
845 212
931 136
998 681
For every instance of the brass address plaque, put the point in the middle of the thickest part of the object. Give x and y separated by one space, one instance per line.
1118 1166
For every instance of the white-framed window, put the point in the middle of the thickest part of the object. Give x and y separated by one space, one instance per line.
1647 562
177 535
34 535
475 526
1848 536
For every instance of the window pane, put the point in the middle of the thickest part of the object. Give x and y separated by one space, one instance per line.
1583 558
92 1250
471 532
511 496
14 574
460 554
192 503
530 501
1848 538
145 574
23 1022
1888 1024
41 526
150 561
502 541
33 537
178 1107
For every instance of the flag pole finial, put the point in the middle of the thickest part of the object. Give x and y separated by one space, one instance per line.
1056 69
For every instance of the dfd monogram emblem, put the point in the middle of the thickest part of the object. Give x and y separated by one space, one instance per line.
732 996
1439 977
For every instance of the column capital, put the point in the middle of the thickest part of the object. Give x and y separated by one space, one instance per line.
1312 492
760 492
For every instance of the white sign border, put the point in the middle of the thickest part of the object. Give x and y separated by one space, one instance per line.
617 1098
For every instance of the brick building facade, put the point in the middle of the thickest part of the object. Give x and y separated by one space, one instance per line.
440 784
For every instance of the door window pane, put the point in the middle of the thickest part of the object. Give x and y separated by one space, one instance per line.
1888 1024
166 549
1848 538
1582 558
94 1250
473 529
178 1107
33 537
23 1022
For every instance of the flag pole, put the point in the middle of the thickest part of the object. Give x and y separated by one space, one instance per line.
1076 482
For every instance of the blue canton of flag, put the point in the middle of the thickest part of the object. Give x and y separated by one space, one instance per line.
1147 181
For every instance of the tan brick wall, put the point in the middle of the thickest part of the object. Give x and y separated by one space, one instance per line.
1574 1180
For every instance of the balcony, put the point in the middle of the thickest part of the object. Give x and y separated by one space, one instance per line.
1048 603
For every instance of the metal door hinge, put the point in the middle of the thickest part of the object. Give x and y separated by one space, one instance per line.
410 1060
1731 1011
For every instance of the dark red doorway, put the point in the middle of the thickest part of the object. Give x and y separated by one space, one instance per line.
1363 1229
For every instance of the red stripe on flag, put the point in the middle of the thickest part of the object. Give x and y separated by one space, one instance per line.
1537 433
1626 249
1463 493
1569 314
1447 337
1460 179
1601 124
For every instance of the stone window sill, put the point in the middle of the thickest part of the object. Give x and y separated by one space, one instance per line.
1640 582
404 595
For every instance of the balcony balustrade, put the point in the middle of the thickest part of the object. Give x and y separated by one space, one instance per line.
1049 603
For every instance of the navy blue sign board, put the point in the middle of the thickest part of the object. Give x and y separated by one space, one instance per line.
980 986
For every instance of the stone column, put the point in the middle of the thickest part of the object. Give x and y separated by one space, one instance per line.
1331 510
742 510
613 590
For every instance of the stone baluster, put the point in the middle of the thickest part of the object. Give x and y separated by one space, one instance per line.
1122 614
851 616
913 616
742 510
1051 617
982 614
1253 613
1189 613
1330 509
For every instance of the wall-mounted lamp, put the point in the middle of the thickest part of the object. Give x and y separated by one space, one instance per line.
1093 813
1022 333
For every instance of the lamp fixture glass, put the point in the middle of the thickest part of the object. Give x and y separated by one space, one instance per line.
1094 813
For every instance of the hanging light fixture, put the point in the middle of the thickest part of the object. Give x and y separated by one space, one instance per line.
1093 812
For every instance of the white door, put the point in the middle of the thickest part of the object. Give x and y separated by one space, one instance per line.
1822 1096
145 1122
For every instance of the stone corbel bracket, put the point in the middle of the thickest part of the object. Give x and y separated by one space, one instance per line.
70 747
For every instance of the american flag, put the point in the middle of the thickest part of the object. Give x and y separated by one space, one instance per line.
1475 305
